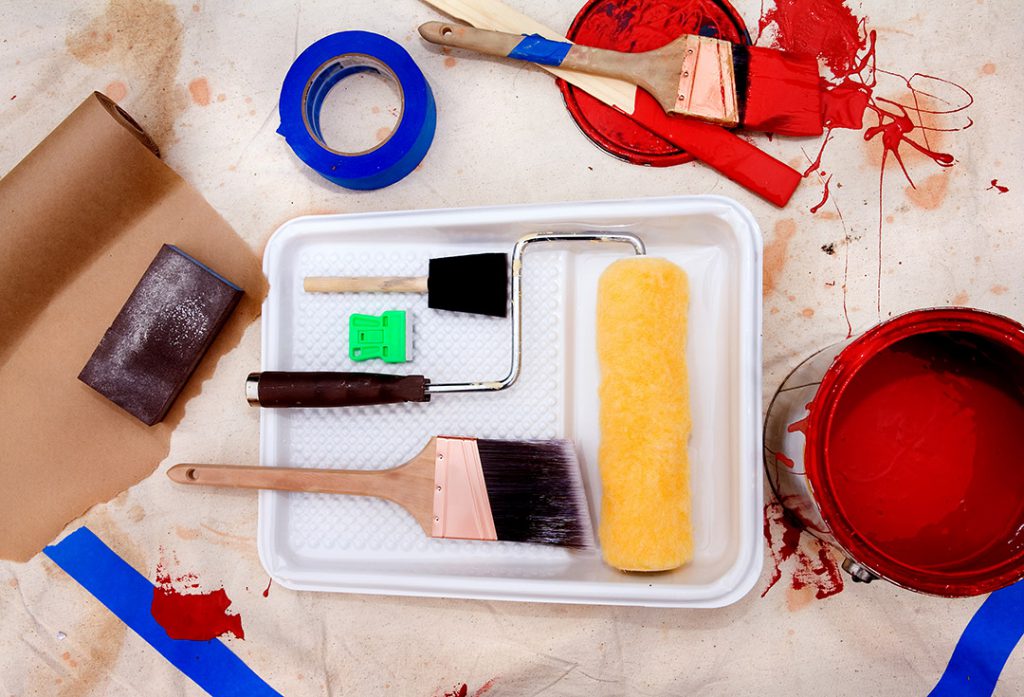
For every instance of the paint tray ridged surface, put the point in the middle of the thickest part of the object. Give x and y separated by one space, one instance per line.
351 544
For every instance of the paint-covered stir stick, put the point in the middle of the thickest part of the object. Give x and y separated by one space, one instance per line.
696 76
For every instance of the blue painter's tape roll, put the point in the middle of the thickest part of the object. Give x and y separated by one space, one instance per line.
319 68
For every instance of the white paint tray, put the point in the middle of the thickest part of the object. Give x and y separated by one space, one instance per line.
360 545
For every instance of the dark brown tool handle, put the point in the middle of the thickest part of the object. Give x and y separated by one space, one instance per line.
276 389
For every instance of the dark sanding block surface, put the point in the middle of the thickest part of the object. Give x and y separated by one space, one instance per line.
157 339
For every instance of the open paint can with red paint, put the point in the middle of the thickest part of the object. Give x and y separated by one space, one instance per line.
904 448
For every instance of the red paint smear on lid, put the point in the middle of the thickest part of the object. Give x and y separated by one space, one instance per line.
193 616
810 560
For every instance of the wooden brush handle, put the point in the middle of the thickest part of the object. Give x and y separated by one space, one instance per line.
281 390
378 483
410 485
365 284
632 67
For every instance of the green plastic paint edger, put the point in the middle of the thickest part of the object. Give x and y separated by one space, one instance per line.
388 337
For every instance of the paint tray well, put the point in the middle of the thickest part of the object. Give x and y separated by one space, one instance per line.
360 545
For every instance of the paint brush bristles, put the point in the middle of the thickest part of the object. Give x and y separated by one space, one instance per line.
536 492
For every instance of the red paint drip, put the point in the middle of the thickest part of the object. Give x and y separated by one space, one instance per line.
780 457
193 616
266 591
824 197
801 425
995 185
812 562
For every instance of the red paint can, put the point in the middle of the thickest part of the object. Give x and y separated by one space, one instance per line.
904 448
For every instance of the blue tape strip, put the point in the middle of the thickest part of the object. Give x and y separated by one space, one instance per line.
986 643
322 66
537 49
129 595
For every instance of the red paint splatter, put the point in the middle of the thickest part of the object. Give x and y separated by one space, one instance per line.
813 564
830 30
780 457
191 615
459 691
995 185
824 197
266 591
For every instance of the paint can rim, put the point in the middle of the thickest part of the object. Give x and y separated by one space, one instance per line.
837 378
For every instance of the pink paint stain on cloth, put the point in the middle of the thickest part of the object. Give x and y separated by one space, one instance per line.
807 559
188 613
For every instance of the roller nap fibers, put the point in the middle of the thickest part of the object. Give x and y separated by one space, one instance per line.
645 415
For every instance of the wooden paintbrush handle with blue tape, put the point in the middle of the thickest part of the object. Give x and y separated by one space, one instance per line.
696 76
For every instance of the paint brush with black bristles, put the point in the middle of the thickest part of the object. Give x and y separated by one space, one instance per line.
460 488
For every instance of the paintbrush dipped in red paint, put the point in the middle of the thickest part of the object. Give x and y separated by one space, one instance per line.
460 488
695 76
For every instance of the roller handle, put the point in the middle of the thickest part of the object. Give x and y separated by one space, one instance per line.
595 61
365 284
281 390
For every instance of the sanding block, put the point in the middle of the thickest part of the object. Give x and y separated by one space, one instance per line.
157 339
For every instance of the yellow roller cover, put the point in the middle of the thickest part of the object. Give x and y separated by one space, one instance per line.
645 415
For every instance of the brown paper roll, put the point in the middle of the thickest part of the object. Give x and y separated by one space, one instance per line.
84 213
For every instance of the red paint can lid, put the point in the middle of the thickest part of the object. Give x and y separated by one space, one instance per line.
914 446
640 25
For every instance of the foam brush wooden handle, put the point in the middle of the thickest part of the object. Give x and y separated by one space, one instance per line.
632 67
365 284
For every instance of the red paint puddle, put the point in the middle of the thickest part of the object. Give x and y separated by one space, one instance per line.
186 614
995 185
808 559
830 30
266 591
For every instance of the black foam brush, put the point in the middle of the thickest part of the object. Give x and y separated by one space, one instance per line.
474 283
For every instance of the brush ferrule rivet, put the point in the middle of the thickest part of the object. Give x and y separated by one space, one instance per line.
686 73
439 487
